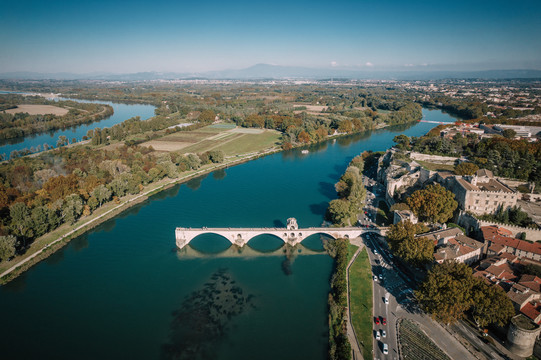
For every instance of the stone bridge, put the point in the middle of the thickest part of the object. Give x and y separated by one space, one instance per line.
291 235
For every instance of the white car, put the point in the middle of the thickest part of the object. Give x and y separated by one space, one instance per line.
383 333
385 349
377 335
375 278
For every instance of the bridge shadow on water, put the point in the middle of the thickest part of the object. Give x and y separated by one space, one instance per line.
216 246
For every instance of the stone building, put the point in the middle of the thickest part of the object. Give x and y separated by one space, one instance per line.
521 335
481 193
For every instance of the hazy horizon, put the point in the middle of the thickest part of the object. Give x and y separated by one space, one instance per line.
183 37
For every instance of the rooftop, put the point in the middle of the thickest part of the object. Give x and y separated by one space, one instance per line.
493 234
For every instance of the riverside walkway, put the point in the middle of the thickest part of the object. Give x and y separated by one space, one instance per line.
291 235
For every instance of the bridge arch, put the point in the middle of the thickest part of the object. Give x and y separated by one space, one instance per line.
210 243
266 242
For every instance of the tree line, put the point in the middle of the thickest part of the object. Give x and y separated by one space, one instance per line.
39 194
22 124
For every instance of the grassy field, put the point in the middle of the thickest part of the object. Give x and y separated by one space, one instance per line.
436 167
360 278
351 251
226 137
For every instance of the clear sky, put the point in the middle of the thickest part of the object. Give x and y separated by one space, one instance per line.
199 35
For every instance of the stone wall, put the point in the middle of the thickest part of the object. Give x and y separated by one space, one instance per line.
437 159
521 340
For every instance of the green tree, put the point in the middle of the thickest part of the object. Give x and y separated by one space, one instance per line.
8 247
21 221
416 250
491 304
72 208
102 194
402 141
339 212
509 133
446 293
402 241
466 168
434 203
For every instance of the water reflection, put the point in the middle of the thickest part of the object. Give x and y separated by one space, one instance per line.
195 184
219 174
235 251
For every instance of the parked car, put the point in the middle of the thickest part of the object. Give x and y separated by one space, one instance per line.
384 321
380 276
385 349
377 335
375 278
383 333
376 320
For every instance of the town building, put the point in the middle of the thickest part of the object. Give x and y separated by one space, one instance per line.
498 240
481 193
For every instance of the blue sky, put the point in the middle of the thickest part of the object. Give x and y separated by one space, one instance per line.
190 36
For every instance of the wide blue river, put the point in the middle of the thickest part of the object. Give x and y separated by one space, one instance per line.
123 290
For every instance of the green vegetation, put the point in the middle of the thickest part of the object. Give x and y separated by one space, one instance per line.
511 216
351 251
351 193
339 346
360 280
383 214
44 192
517 159
402 241
450 290
466 168
415 344
22 124
433 203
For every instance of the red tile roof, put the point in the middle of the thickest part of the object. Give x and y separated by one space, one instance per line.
532 309
493 235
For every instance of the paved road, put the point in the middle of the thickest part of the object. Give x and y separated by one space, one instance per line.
401 305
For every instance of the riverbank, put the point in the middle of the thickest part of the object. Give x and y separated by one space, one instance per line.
49 243
46 245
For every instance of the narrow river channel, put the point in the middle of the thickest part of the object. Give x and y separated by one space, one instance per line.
121 112
123 291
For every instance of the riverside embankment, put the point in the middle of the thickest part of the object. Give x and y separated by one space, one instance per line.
124 285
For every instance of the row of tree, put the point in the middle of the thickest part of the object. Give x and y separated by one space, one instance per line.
351 192
39 194
339 346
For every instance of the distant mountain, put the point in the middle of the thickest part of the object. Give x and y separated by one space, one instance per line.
266 71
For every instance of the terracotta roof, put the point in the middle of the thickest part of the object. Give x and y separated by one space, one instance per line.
531 281
492 234
497 248
532 309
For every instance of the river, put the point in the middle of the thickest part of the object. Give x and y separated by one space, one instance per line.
123 291
121 112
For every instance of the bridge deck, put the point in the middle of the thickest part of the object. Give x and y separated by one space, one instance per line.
292 236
